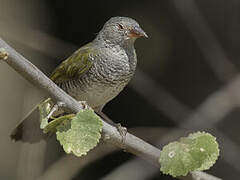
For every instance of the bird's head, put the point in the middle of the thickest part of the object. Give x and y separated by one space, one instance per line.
119 30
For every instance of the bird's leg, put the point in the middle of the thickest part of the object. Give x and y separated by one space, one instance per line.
59 105
55 108
106 118
122 130
84 105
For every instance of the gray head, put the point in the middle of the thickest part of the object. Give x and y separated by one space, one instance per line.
120 30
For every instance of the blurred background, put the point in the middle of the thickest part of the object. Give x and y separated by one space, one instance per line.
187 80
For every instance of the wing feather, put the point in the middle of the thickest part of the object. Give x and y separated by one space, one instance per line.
75 66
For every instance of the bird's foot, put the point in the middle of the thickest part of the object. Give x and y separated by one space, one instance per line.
55 108
84 105
122 131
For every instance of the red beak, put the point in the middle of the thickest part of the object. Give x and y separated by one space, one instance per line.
137 32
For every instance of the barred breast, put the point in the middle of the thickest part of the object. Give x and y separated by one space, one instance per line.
105 79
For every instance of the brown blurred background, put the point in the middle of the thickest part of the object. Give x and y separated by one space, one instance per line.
187 80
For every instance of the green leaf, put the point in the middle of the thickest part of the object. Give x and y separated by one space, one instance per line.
81 134
197 152
44 109
52 125
176 160
204 149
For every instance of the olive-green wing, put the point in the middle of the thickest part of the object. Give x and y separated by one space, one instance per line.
75 66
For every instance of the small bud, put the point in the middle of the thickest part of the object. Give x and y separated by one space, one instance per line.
3 54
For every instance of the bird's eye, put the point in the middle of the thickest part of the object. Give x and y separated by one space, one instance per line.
120 26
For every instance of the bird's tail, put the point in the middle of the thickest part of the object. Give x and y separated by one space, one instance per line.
28 130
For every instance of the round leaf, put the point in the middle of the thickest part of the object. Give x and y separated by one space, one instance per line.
81 134
198 151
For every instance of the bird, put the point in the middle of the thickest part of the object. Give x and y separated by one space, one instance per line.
95 73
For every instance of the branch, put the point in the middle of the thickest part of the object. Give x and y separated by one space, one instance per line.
111 135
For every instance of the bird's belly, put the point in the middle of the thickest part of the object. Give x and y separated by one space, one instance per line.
98 94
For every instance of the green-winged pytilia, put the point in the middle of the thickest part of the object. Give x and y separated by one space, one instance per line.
97 72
